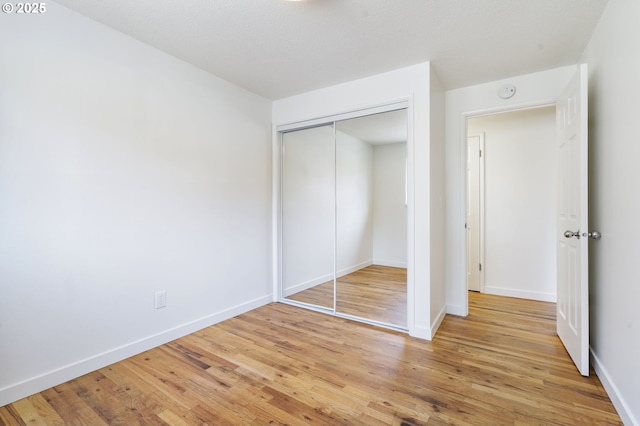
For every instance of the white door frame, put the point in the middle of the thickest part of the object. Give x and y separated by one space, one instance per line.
465 116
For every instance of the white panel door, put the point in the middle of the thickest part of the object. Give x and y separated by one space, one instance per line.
572 222
473 214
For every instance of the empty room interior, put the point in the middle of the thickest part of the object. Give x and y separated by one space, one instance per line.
319 212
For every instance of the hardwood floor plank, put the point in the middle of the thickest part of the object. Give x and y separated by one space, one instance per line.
71 407
278 364
173 419
34 410
10 417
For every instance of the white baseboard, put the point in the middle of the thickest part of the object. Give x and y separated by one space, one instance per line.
391 263
427 333
522 294
436 324
37 384
354 268
624 411
420 332
324 278
306 285
458 310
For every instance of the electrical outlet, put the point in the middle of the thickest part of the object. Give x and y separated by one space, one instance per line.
161 299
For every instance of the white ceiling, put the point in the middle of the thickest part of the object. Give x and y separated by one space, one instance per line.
377 129
277 48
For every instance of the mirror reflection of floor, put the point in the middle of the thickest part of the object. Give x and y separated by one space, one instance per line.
376 292
320 295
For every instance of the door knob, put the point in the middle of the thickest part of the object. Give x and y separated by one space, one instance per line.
595 235
569 234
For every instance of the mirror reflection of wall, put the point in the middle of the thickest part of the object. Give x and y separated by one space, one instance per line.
355 202
308 215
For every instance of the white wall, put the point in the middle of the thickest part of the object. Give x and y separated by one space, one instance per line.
389 208
532 89
410 83
613 57
122 171
520 200
354 204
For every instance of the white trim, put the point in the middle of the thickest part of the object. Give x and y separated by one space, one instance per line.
335 217
321 121
324 278
371 322
411 227
509 108
309 306
624 411
421 332
350 269
458 310
391 263
290 291
439 318
521 294
276 254
68 372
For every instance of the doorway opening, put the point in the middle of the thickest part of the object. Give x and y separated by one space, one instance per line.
572 232
511 203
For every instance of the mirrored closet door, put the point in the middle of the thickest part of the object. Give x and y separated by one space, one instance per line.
308 216
344 218
371 219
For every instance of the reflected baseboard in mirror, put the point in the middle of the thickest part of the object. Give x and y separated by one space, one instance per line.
378 293
319 295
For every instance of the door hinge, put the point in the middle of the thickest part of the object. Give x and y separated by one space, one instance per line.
480 266
480 153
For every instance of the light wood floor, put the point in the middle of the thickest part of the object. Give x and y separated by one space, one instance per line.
376 292
285 365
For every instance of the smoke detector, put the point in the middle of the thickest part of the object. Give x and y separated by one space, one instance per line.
507 91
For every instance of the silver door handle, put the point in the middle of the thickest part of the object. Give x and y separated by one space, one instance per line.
569 234
595 235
